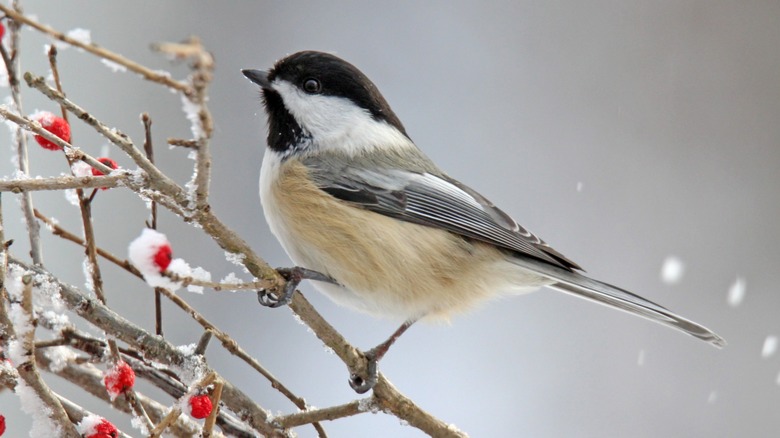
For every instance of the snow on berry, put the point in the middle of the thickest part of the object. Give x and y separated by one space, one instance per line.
93 426
200 406
119 379
2 418
150 253
56 125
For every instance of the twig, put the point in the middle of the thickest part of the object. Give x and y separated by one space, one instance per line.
201 119
151 75
216 396
65 234
149 150
217 286
116 179
192 144
55 72
354 407
22 161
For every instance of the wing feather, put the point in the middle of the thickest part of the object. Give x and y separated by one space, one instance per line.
432 200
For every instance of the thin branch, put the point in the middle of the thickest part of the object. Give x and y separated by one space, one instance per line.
149 150
354 407
116 179
22 160
216 396
55 72
65 234
180 142
163 78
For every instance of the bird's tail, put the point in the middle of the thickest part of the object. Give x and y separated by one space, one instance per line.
612 296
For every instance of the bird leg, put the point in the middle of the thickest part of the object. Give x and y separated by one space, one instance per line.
362 384
293 276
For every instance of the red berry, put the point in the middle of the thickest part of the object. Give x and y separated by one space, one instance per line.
104 429
200 406
108 162
119 379
2 31
56 125
2 419
163 257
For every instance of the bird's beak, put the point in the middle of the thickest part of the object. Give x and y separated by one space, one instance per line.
259 77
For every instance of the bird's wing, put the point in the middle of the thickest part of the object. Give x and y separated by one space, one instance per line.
442 202
436 201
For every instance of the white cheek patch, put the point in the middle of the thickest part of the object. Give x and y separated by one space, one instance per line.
337 123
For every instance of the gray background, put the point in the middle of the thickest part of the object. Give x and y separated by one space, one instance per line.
665 111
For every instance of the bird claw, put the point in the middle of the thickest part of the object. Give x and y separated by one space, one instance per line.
362 384
294 276
269 299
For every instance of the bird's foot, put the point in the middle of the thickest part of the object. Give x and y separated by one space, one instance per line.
294 276
364 380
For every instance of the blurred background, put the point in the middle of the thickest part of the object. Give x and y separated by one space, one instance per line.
626 134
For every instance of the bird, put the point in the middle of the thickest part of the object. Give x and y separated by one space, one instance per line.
379 227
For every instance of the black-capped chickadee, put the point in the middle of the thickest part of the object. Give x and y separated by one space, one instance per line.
359 207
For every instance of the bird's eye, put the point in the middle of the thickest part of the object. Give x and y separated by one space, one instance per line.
311 86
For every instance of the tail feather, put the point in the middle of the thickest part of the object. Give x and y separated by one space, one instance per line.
612 296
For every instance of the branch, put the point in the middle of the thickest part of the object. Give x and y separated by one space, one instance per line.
116 179
354 407
155 76
22 161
